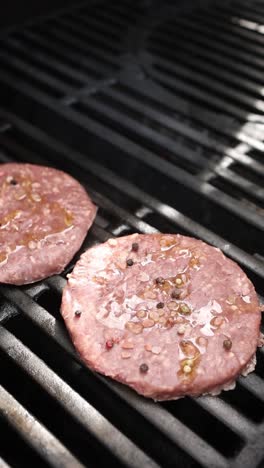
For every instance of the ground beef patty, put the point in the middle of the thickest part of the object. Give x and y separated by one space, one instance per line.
44 217
165 314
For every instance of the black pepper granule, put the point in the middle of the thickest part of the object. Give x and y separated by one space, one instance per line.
134 247
160 305
78 313
13 182
227 344
143 368
129 262
175 294
160 280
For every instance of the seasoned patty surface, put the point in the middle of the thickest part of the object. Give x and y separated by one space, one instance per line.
44 217
165 314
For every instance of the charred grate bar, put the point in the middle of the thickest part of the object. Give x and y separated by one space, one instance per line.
143 104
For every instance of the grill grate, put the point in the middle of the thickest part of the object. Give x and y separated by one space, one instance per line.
158 110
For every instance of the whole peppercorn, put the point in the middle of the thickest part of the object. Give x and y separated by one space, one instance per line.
227 344
143 368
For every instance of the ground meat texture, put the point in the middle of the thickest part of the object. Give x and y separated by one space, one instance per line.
199 341
44 217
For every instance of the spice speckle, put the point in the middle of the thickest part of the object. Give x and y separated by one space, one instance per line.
160 305
143 368
109 344
176 294
13 182
134 247
78 313
159 280
227 344
178 281
185 309
129 262
187 369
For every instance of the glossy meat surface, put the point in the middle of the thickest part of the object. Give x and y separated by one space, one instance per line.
165 314
44 217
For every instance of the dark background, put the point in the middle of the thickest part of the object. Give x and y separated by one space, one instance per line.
16 12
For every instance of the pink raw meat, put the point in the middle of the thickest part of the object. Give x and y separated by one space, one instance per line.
167 315
44 217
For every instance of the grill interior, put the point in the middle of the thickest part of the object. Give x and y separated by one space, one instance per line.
157 109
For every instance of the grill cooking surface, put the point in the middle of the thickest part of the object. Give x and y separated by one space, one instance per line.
158 110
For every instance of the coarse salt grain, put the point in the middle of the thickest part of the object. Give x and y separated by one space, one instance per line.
148 323
143 276
112 242
148 347
127 345
181 330
134 327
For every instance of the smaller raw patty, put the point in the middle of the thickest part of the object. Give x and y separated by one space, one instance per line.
44 217
165 314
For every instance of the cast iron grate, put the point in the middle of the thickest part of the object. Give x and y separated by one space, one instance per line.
163 139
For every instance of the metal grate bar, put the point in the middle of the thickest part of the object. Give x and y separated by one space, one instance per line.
194 135
36 435
238 18
150 135
199 61
95 41
226 21
73 403
132 220
176 86
147 114
107 130
33 73
88 34
48 61
67 40
62 51
254 384
198 46
217 43
171 427
126 187
147 89
245 456
240 182
233 36
210 88
229 416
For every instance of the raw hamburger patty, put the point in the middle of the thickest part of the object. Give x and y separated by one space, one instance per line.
165 314
44 217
